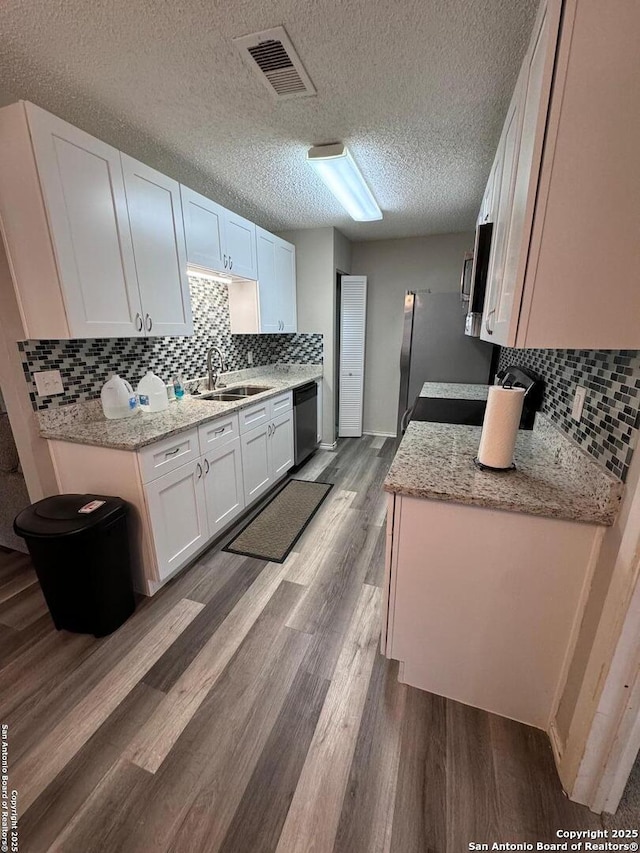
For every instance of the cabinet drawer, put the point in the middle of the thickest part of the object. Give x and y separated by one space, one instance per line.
218 432
168 454
254 416
281 403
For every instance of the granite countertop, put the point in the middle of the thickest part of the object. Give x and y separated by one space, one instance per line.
554 477
455 390
84 423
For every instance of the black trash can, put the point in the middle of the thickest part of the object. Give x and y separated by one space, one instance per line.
80 551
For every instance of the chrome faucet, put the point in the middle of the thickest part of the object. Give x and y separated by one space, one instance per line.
213 377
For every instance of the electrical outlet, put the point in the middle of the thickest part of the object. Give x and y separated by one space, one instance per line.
48 383
250 357
578 402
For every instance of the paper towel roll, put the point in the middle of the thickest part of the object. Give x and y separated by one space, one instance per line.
500 426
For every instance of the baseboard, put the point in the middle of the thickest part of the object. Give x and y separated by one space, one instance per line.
380 434
323 446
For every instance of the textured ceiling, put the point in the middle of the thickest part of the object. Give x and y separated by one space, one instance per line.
416 88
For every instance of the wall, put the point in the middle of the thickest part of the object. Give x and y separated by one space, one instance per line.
37 465
392 267
319 253
86 364
610 420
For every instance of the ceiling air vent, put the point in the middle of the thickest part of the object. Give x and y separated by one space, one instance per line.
271 56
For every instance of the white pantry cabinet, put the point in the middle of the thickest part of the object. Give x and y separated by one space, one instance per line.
91 254
565 221
218 239
353 332
488 626
268 305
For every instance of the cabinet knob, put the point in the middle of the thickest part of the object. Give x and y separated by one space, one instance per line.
224 257
149 323
139 323
230 262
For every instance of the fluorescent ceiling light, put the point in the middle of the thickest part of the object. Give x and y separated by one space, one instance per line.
337 168
221 279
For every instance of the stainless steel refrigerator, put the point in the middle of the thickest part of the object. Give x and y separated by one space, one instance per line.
436 349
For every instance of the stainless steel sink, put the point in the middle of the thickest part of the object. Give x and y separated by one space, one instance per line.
223 396
247 390
231 395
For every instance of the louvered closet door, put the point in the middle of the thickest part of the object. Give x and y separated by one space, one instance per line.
353 321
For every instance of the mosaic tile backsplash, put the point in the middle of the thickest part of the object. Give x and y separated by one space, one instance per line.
610 420
85 365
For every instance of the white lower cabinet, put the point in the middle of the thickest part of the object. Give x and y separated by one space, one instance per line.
267 449
223 486
256 462
281 445
178 513
483 606
184 490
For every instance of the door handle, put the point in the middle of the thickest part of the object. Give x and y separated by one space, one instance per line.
486 322
139 323
404 421
199 470
230 262
225 261
149 323
206 466
172 452
218 431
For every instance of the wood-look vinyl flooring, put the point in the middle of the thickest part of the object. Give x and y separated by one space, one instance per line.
246 709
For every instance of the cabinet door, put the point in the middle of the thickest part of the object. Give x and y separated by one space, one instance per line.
155 213
240 246
535 99
353 325
285 275
505 175
223 485
204 230
256 462
281 445
178 514
84 195
269 309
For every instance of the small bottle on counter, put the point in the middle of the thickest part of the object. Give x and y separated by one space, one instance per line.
178 386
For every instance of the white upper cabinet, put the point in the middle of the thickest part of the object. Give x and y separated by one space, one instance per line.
155 214
217 238
204 222
95 251
565 220
267 306
240 244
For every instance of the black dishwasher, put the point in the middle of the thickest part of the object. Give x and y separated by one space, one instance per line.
305 421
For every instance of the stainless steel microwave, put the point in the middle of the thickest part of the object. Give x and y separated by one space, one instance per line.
478 279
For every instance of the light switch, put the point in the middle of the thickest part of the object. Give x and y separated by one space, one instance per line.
48 383
578 402
249 357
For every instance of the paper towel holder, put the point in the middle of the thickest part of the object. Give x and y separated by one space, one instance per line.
484 467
